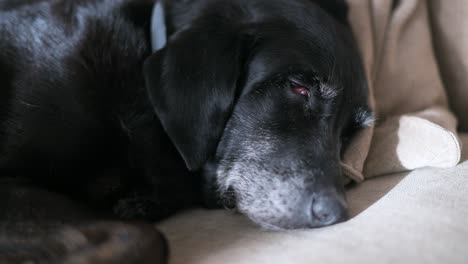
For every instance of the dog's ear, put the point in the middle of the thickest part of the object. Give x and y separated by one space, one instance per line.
192 85
336 8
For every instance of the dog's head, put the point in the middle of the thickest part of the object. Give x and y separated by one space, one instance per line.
262 96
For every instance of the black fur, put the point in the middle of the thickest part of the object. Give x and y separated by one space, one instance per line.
88 111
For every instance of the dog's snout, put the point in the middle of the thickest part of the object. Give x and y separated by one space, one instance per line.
327 209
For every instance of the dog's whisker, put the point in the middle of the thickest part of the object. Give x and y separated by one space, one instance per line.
29 104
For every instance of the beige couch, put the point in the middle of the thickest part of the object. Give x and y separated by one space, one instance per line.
417 217
414 217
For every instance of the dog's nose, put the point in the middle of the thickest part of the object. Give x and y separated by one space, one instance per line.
328 210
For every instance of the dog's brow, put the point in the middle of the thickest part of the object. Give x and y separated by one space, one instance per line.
329 91
327 88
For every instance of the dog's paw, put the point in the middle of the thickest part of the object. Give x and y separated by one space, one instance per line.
96 243
113 242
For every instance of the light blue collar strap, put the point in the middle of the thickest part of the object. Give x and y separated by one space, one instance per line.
158 27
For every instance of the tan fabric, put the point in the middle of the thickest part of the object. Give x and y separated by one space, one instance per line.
450 28
422 218
415 129
464 140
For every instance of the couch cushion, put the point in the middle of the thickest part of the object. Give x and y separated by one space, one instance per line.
421 218
449 21
415 127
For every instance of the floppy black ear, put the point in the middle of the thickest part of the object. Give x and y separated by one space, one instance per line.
192 85
336 8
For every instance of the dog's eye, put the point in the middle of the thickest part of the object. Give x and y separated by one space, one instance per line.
299 89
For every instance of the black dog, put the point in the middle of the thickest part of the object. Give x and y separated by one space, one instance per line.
250 101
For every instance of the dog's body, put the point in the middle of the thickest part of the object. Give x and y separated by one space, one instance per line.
88 110
75 119
74 105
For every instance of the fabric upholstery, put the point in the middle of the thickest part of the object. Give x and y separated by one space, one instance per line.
414 127
418 217
449 24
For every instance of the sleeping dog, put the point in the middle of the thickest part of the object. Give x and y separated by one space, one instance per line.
120 109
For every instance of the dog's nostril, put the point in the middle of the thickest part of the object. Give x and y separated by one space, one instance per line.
327 210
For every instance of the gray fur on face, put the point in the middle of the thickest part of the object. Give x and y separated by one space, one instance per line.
268 200
273 193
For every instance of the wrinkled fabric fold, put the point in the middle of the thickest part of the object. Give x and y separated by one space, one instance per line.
414 127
